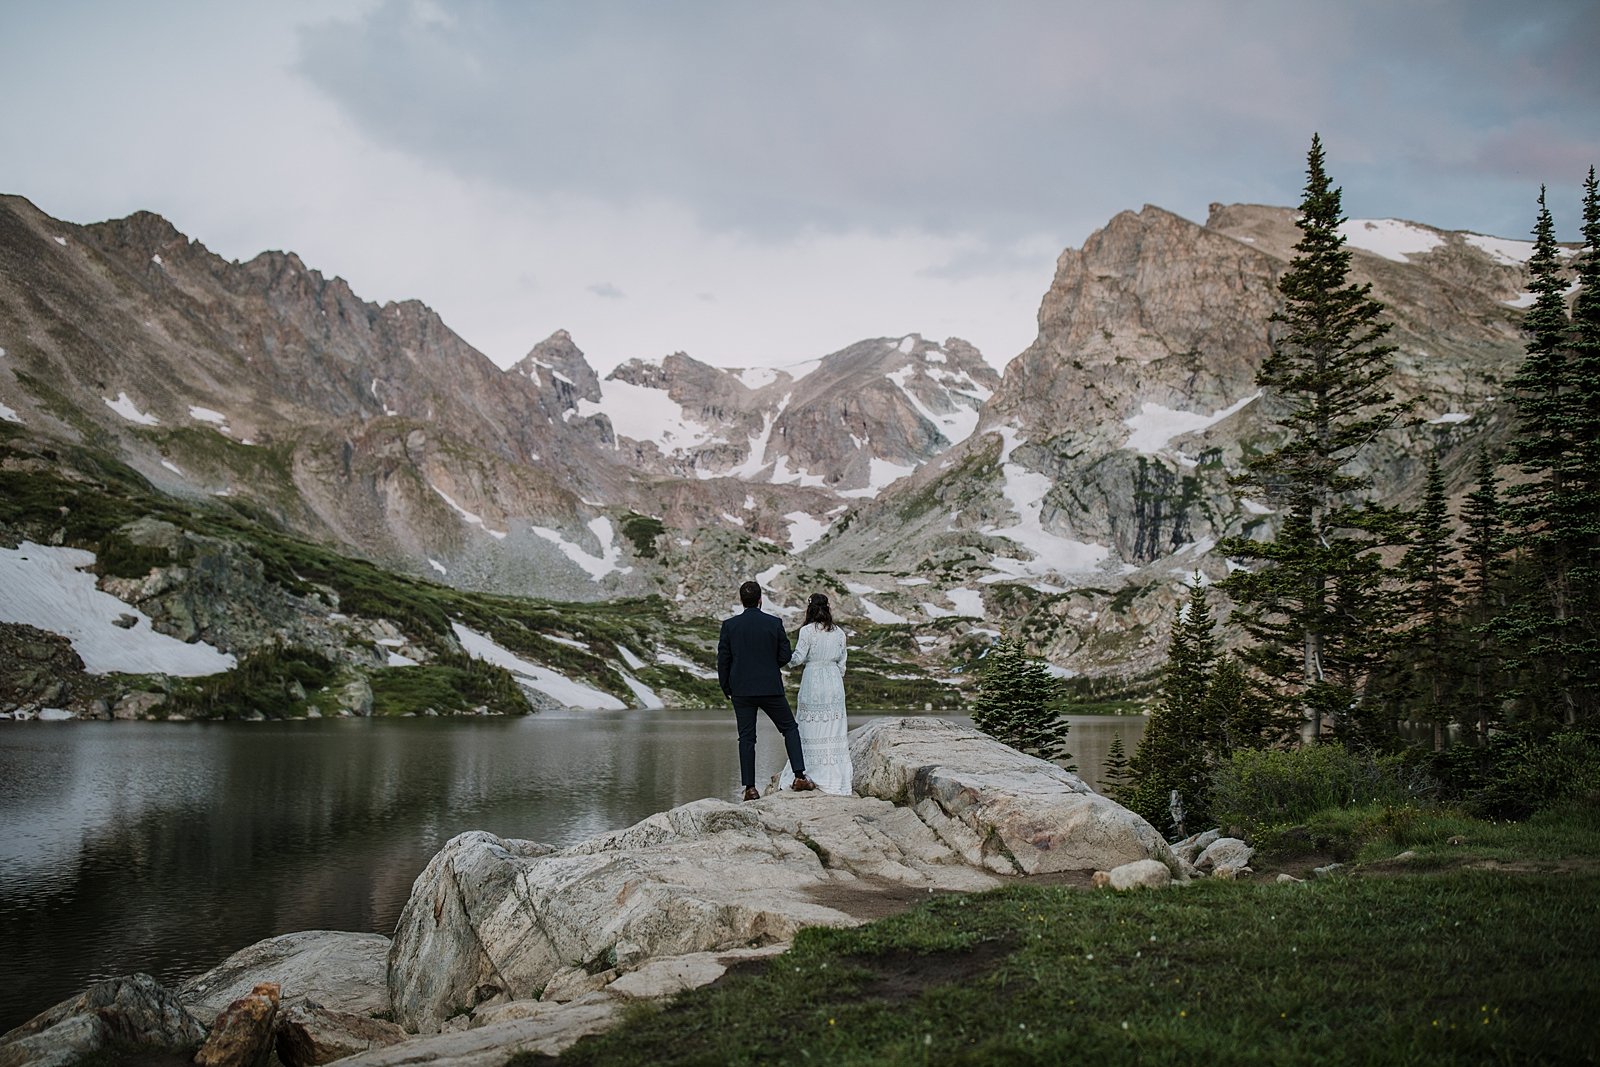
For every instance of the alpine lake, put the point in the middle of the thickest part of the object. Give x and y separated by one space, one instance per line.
165 847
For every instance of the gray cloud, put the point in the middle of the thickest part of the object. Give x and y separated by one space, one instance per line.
607 291
1001 120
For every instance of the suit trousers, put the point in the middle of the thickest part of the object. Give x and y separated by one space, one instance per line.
777 709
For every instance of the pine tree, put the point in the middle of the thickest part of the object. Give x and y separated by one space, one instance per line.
1016 700
1549 627
1175 751
1433 577
1584 509
1116 773
1315 600
1240 718
1484 548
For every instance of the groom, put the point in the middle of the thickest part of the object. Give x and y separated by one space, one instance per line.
750 650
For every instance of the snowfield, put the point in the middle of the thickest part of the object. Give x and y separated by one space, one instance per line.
47 588
1390 238
553 684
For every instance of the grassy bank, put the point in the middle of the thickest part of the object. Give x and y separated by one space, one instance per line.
1446 964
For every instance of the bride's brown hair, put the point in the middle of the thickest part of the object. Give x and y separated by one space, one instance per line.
817 611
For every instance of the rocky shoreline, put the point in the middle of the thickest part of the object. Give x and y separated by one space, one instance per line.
508 946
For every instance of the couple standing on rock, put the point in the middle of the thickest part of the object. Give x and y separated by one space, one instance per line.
751 648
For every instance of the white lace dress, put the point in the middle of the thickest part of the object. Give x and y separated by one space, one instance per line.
820 710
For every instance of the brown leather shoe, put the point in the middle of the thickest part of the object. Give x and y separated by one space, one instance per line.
752 793
803 784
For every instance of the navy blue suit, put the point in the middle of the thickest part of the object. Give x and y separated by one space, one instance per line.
750 649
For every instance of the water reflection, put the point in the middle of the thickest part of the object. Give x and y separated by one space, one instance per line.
163 847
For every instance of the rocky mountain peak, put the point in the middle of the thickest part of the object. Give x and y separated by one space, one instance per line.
559 365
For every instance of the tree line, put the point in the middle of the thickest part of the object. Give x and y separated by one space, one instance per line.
1372 625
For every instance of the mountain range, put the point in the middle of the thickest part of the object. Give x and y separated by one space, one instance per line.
1068 497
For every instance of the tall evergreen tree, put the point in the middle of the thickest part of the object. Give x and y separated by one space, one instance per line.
1483 548
1432 576
1174 753
1016 702
1315 599
1239 717
1549 628
1584 532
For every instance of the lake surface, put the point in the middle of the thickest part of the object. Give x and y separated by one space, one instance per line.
165 847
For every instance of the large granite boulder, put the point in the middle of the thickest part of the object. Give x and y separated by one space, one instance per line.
493 920
343 971
131 1010
1001 809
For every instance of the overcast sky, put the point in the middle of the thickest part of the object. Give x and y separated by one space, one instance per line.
758 182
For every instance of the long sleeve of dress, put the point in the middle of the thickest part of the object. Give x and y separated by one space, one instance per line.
803 649
844 649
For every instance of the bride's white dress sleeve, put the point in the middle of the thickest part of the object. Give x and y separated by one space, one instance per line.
802 647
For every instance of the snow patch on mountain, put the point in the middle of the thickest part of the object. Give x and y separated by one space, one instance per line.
125 407
956 425
641 413
557 686
48 588
880 614
644 694
1025 490
1390 238
597 567
1500 249
881 474
467 516
200 414
805 530
669 658
1156 424
757 377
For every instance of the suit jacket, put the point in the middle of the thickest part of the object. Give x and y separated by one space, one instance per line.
751 648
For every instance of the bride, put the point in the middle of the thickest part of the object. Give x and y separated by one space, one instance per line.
820 707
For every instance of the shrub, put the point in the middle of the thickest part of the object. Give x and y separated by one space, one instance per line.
263 683
1257 791
1513 775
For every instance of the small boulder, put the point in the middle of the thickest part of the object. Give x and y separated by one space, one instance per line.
1189 849
1140 874
1225 852
1329 871
310 1035
570 983
668 977
1288 879
244 1033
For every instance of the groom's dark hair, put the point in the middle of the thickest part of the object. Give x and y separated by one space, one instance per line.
750 594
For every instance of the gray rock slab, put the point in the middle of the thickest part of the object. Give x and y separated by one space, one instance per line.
133 1009
342 971
1001 809
548 1029
486 918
